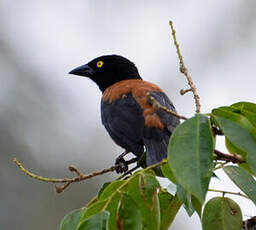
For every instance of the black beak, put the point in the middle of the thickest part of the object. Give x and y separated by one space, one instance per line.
83 70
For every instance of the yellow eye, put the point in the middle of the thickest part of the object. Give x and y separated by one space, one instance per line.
99 64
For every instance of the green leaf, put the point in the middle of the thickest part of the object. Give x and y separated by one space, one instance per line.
243 180
71 220
235 150
111 206
191 155
143 190
167 172
196 205
239 131
248 110
185 198
190 202
95 222
128 215
110 189
103 188
94 209
223 214
251 107
169 206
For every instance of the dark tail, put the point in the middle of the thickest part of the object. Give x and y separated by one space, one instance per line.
156 149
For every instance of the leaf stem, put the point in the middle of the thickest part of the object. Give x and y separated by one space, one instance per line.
228 192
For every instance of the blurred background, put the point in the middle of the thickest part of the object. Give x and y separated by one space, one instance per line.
50 120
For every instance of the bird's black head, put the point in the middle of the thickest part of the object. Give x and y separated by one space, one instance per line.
108 70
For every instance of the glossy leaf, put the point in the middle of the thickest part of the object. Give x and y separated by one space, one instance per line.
110 189
128 215
243 180
169 206
185 199
235 150
132 199
251 107
104 186
109 205
248 110
191 155
143 190
95 222
167 172
223 214
94 209
71 220
196 205
112 206
239 131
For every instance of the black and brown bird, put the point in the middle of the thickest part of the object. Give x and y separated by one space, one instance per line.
127 114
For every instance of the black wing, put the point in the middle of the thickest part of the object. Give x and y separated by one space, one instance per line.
156 140
124 122
171 122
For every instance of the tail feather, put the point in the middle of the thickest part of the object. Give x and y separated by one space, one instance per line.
156 149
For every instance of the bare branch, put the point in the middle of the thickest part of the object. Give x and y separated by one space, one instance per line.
184 70
66 181
234 158
157 105
184 91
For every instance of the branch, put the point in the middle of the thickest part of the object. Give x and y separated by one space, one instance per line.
66 181
81 176
184 91
184 70
234 158
157 105
227 192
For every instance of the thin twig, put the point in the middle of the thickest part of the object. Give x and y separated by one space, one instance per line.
157 105
66 181
184 70
227 192
184 91
81 176
234 158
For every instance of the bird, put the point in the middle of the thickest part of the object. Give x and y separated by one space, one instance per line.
128 115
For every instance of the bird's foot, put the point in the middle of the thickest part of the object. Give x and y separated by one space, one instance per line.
122 165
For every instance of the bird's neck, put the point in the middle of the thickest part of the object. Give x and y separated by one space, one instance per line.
105 84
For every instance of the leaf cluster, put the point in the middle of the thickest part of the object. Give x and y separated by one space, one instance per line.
140 202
